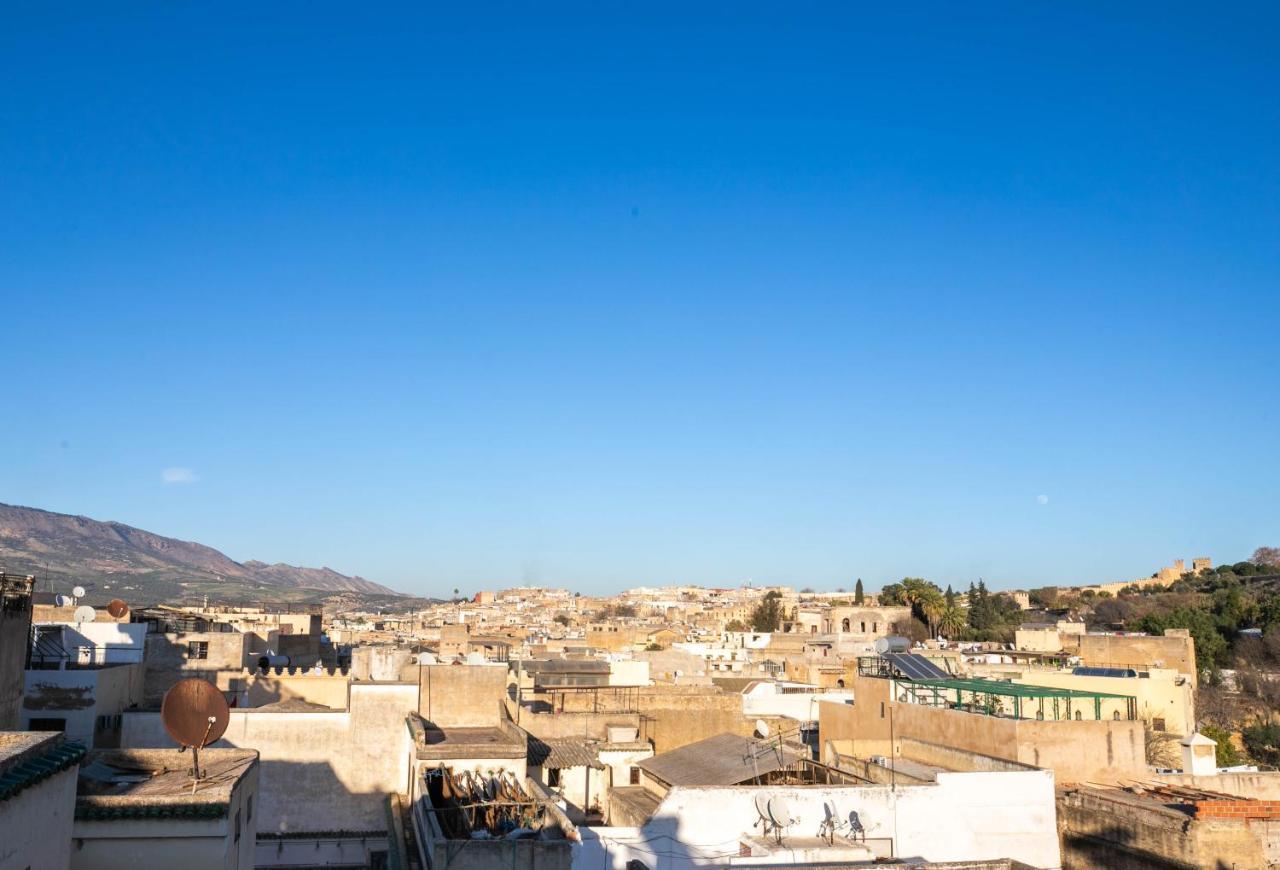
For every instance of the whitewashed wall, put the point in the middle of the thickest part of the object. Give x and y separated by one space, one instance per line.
964 816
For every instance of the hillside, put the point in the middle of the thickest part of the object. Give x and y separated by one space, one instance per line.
111 558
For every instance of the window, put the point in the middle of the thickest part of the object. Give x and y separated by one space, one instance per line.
198 649
862 627
553 777
47 724
1156 724
635 776
844 624
875 627
882 709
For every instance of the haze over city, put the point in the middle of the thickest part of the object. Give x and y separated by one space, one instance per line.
600 299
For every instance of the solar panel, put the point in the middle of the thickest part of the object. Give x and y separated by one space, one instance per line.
916 667
1085 671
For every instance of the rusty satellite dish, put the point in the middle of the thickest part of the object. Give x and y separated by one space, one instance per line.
118 609
195 714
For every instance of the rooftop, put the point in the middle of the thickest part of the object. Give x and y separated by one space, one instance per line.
489 741
725 759
141 783
561 753
26 758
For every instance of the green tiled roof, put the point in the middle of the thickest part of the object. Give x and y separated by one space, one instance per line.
106 812
30 771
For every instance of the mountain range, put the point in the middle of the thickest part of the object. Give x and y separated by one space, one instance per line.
112 559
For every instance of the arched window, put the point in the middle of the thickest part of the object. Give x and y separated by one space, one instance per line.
844 624
1079 716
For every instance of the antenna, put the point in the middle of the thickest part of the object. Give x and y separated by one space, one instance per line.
84 613
118 609
195 714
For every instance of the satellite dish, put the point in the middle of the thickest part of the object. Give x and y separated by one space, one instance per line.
63 600
762 728
762 806
84 613
780 812
77 592
195 714
829 812
118 609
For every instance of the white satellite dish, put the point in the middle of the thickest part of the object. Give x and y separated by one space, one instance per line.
77 592
85 613
762 728
780 812
63 600
762 806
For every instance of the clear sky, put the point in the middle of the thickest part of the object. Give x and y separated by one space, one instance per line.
608 295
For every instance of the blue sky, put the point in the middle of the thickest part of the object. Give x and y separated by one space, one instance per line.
607 295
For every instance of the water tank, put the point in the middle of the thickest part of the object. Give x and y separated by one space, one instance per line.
892 645
270 660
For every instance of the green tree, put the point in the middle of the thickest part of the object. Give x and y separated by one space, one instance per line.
1262 739
1211 647
562 619
1228 755
893 595
735 625
858 596
952 620
767 615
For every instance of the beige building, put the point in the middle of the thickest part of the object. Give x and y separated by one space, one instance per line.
1088 748
37 800
124 821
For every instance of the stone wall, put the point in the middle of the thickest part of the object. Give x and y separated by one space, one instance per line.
1110 828
168 660
671 716
1263 785
462 695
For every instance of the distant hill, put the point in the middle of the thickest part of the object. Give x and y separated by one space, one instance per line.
111 559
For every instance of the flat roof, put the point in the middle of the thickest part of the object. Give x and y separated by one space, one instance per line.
147 783
434 742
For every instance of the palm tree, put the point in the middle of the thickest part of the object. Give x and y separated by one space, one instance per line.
952 620
931 605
